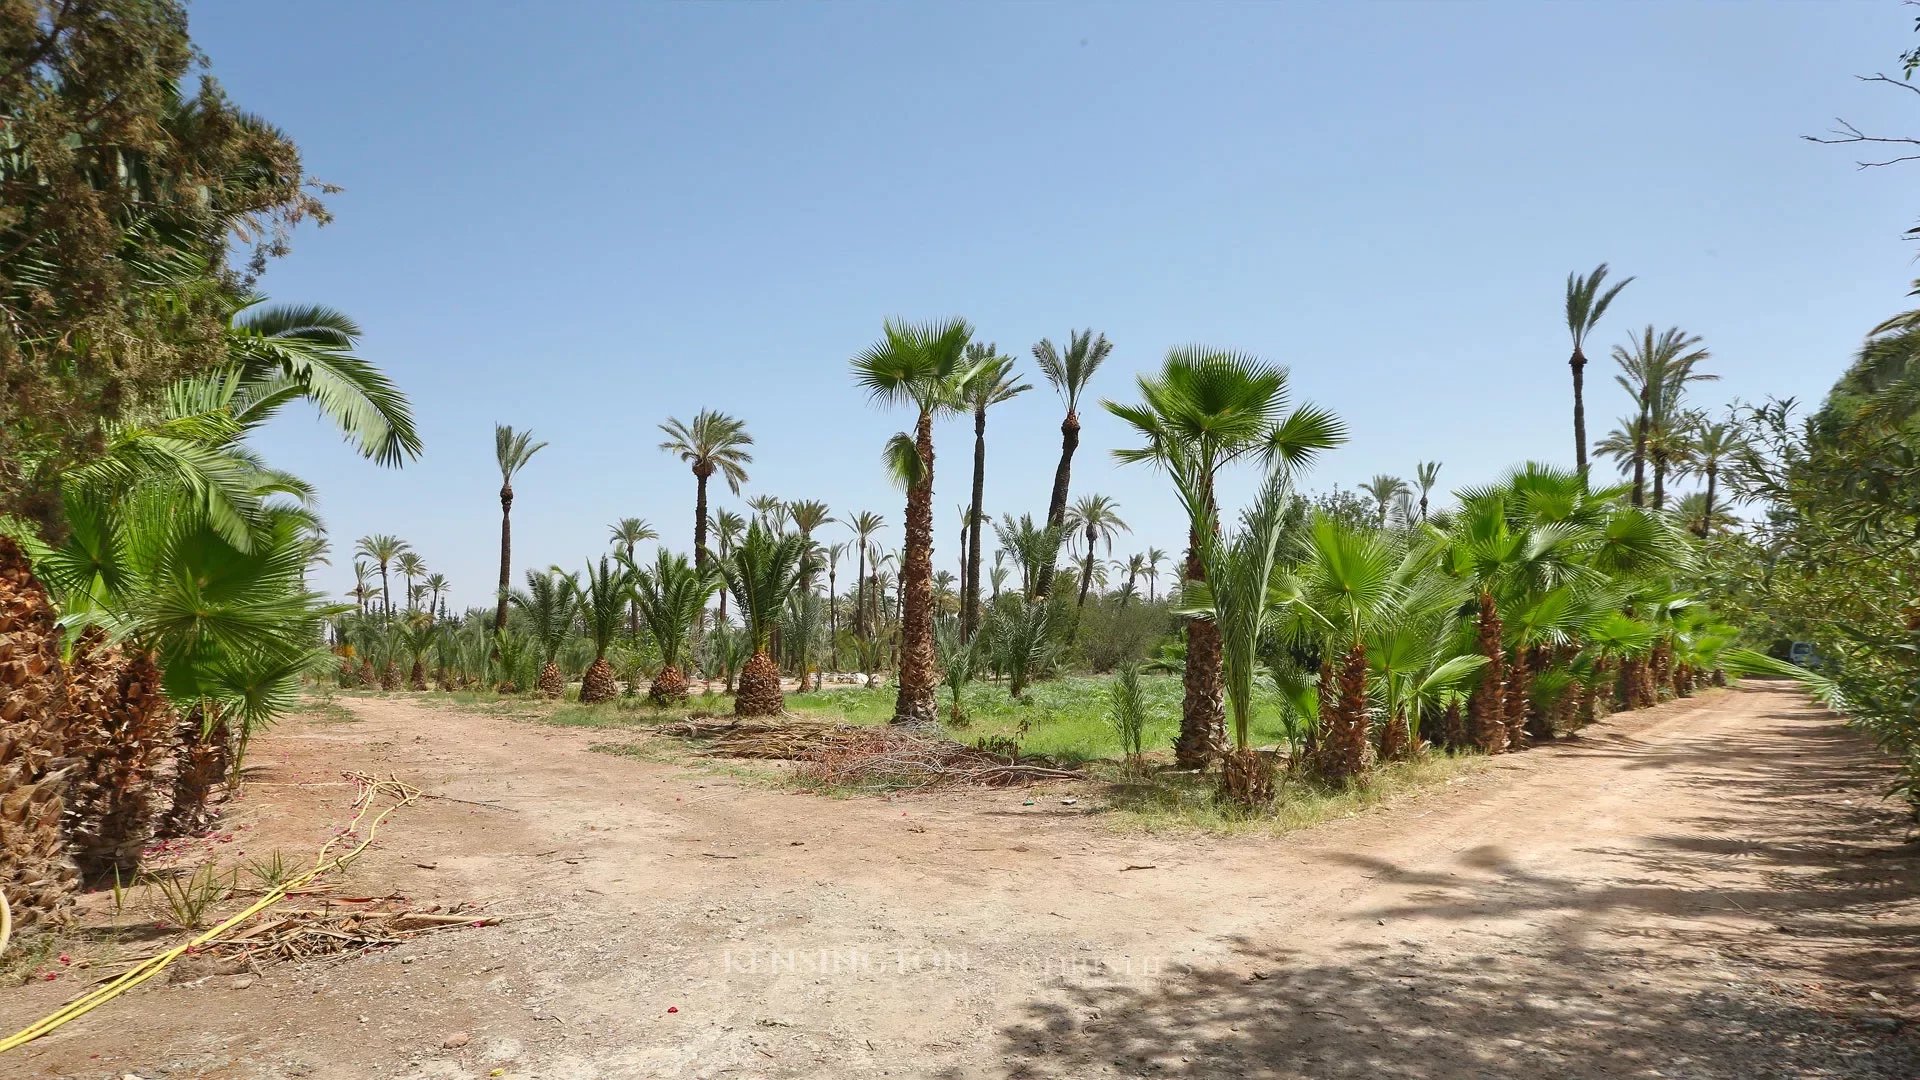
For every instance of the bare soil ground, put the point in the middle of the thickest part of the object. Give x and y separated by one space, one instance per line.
1709 889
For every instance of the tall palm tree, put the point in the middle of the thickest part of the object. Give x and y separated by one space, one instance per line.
728 527
770 510
1155 557
384 549
511 451
672 594
1586 302
626 534
1135 566
1384 489
1204 410
808 515
994 383
1712 446
761 573
1068 371
923 366
865 525
410 565
608 588
1427 473
835 552
1656 370
361 592
436 587
1093 519
714 442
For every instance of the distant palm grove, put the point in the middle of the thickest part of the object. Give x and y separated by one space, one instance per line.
160 605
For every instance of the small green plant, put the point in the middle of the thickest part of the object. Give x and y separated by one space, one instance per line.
1127 712
272 871
189 898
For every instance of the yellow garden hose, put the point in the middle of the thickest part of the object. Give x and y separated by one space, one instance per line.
153 965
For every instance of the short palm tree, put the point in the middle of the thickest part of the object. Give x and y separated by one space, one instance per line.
1093 520
1586 302
994 383
1068 371
511 451
923 366
1427 474
384 549
760 574
1384 489
1349 579
607 589
1204 410
410 566
714 442
1033 547
549 603
626 534
865 525
672 593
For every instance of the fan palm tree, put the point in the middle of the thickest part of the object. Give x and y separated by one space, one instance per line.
1586 303
865 525
672 594
760 573
1204 410
994 383
1427 473
608 589
410 565
714 442
511 451
923 366
384 549
1656 370
1384 489
549 602
1068 371
1093 519
1350 579
626 534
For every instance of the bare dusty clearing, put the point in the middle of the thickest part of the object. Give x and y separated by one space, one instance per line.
1707 889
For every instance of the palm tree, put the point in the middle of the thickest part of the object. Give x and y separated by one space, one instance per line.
1711 446
384 549
994 383
1034 548
1585 304
549 602
1656 370
865 525
1384 489
808 515
608 588
770 510
923 366
1135 566
760 573
511 450
727 530
672 594
1068 372
625 534
1348 578
436 586
410 565
1427 473
1093 519
714 442
1203 411
1155 557
835 552
361 592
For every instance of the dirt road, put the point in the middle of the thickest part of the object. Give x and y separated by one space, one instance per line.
1709 889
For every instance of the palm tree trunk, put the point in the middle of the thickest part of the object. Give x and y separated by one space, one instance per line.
970 585
833 616
1706 513
1659 480
1127 593
1578 363
506 557
1640 459
386 594
916 704
860 593
700 524
1057 505
1203 714
1086 570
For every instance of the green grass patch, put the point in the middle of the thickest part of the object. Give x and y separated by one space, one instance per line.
1188 804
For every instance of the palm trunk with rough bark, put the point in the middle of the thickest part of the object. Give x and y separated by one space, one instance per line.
1640 459
506 557
1203 714
1057 504
970 585
1487 707
1519 698
202 754
759 687
1578 362
916 704
35 871
1659 480
1706 514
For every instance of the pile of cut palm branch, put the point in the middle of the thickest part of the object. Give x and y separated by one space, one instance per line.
884 757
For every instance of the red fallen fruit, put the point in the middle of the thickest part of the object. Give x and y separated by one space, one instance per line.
51 975
670 1008
65 959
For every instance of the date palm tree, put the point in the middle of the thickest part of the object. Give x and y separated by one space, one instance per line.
409 566
384 549
770 510
728 527
1135 566
808 515
1151 572
1712 445
625 534
1068 371
672 594
511 451
834 553
994 383
1384 489
1093 519
865 525
608 588
436 588
923 366
713 443
549 602
1207 409
761 573
1586 302
361 592
1427 473
1655 370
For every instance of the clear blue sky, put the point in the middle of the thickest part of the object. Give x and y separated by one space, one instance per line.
584 219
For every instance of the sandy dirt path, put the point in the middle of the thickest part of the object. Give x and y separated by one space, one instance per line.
1708 889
